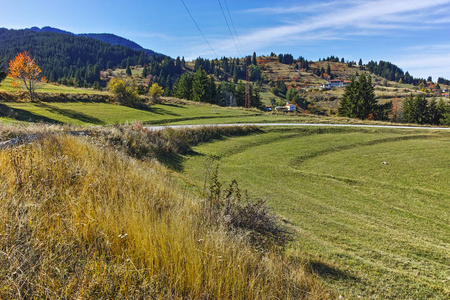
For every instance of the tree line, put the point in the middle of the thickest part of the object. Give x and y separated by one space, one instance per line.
417 109
202 87
72 60
359 101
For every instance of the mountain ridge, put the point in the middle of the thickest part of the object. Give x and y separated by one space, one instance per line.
110 38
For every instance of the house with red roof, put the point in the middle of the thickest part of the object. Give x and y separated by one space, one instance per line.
335 83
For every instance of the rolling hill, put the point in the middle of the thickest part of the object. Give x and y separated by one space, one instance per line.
104 37
64 55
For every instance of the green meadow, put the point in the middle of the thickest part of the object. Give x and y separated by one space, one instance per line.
370 207
88 113
81 113
49 88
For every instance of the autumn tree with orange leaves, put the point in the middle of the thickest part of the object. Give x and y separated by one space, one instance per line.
24 71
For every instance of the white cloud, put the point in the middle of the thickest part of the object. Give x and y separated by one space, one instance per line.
377 15
426 60
350 20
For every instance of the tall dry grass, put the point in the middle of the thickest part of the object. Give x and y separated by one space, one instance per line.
80 221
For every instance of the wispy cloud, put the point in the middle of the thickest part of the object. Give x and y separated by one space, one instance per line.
426 60
346 18
297 9
404 20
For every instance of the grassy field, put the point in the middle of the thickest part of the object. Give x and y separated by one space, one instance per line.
85 113
370 229
49 88
102 113
79 219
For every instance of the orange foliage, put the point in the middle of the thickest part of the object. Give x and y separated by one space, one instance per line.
24 69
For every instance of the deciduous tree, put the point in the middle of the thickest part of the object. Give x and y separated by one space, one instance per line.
25 72
155 92
124 91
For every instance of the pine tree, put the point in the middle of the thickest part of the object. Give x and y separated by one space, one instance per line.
128 71
254 59
255 98
183 87
178 67
359 99
240 94
415 109
3 72
199 83
211 91
433 112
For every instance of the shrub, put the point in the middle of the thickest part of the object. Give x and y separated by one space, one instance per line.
237 212
125 91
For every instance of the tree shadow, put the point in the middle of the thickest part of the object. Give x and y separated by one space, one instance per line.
162 111
326 271
71 114
174 105
155 110
173 161
23 115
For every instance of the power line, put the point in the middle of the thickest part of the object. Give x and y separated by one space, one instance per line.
234 27
229 29
199 29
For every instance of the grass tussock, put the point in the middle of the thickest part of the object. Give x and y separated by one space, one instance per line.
81 221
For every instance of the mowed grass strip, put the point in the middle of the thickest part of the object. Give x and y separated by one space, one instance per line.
371 206
85 113
81 113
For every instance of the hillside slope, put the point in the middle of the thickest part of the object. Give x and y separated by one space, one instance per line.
79 220
104 37
65 55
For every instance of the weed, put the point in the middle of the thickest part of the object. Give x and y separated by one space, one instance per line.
253 219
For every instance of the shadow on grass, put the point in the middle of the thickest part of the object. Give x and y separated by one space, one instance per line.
171 160
326 271
155 110
71 114
23 115
175 105
161 111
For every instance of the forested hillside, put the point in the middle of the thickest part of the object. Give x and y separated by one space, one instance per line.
104 37
62 55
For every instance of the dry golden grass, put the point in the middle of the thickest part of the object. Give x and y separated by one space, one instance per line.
81 221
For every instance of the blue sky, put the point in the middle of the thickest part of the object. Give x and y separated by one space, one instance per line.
414 34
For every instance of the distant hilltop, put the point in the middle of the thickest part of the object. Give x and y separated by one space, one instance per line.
104 37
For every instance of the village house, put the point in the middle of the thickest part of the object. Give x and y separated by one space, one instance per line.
335 83
290 107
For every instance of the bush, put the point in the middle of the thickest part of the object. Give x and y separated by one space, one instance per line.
233 209
125 91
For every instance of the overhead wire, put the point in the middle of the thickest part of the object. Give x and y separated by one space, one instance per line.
229 29
234 27
198 27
